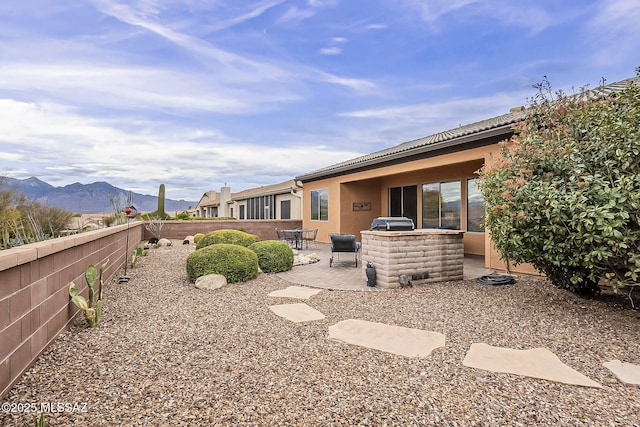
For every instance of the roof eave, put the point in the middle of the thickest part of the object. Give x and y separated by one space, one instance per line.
377 162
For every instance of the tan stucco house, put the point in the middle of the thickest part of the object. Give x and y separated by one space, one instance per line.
276 201
431 180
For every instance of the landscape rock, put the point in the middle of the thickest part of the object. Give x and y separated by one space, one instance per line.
211 282
301 259
189 240
164 242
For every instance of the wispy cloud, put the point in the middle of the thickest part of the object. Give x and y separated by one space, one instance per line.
331 50
531 16
399 123
78 145
255 11
295 15
615 31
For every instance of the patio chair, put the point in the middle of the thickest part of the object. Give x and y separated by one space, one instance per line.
344 243
310 236
286 236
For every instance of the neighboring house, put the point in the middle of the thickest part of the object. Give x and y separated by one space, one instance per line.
214 204
431 180
277 201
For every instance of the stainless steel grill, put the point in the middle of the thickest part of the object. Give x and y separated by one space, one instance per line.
392 223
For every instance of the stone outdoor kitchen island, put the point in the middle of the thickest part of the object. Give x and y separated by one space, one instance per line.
421 256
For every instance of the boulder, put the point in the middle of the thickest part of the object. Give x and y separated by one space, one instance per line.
164 242
301 259
210 282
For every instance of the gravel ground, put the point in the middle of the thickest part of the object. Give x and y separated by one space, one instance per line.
167 354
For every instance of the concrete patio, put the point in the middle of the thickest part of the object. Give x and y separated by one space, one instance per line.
345 276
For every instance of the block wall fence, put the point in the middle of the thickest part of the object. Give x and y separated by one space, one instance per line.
34 282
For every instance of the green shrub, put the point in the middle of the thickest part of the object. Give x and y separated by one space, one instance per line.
197 237
273 256
565 193
236 263
232 237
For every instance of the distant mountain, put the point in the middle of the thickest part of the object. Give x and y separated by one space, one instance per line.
90 198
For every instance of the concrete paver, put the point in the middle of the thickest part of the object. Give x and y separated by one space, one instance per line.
535 363
298 292
627 373
408 342
300 312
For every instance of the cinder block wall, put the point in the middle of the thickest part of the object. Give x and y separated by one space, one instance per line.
440 253
34 290
265 229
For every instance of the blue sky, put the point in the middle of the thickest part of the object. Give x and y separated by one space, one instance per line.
198 93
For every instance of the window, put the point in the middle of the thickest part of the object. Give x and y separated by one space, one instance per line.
441 205
261 207
320 205
475 206
403 201
285 209
241 211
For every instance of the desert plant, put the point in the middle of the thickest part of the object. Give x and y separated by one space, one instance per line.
154 226
233 237
197 237
160 212
39 421
92 306
183 216
565 193
139 252
236 263
273 256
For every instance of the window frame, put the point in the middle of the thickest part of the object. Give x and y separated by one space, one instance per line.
319 199
481 229
440 204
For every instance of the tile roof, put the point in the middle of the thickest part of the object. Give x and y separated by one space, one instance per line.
266 190
500 125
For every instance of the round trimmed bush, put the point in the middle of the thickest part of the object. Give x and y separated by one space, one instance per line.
273 256
197 237
236 263
231 237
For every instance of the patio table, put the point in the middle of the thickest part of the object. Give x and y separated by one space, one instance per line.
295 236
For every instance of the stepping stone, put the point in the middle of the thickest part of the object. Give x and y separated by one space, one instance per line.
297 312
388 338
535 363
627 373
299 292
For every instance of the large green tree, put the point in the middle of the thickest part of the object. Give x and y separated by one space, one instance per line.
565 193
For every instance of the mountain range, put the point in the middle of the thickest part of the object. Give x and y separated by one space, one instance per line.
90 198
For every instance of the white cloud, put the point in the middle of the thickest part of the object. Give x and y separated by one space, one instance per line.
360 85
401 123
295 15
615 31
532 16
331 51
59 142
